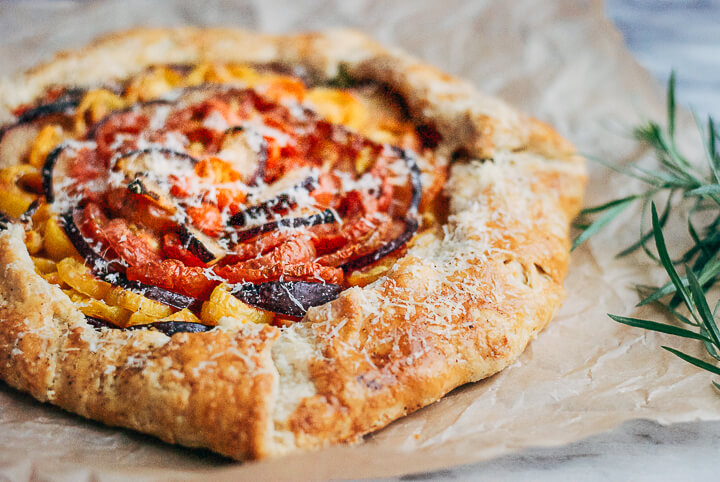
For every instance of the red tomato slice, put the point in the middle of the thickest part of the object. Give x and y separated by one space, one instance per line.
370 243
298 249
287 272
174 249
206 218
114 239
173 275
134 247
86 166
91 223
330 237
122 123
313 272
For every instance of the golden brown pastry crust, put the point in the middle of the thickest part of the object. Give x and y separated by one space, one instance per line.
460 306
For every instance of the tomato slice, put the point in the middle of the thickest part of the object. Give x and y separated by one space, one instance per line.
376 239
287 272
261 245
139 210
154 252
298 249
207 218
291 260
173 275
86 166
330 237
121 123
313 272
173 248
114 239
135 247
91 223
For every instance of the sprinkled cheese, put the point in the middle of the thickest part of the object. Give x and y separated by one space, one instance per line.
278 136
366 182
159 117
216 121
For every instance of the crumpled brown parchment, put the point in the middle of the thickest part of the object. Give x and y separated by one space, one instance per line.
563 62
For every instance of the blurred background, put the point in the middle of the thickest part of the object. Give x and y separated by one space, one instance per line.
662 34
676 34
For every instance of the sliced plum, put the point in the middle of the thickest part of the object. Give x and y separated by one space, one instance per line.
411 227
324 217
415 181
55 159
82 245
99 323
201 245
275 205
292 298
147 160
70 169
166 297
30 211
64 104
16 138
169 328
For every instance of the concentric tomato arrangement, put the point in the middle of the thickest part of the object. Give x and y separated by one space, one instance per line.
189 195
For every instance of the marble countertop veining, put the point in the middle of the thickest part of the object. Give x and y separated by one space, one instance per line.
663 35
676 34
639 451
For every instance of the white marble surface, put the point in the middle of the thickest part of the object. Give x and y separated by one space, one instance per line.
637 451
663 34
676 34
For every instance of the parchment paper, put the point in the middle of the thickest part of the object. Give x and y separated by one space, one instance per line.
559 60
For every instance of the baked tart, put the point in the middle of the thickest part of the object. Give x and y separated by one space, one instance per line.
261 244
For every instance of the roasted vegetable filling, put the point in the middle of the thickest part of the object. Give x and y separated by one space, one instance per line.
192 196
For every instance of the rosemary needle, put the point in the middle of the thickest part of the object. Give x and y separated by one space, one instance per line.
700 183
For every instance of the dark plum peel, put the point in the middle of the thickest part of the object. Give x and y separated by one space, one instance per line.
292 298
324 217
272 206
168 328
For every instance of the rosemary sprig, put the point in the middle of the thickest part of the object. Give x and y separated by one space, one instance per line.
699 184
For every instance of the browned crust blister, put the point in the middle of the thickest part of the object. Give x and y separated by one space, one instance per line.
460 306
